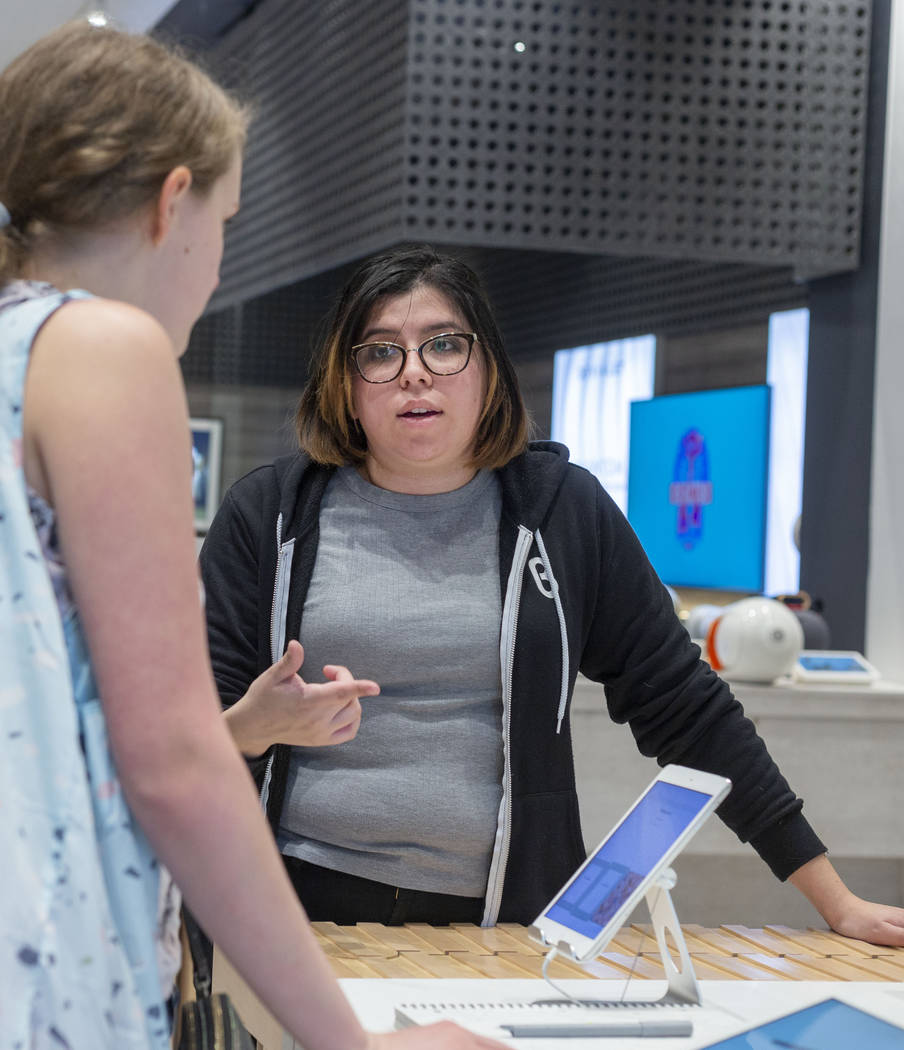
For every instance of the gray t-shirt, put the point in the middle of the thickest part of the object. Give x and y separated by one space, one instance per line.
405 591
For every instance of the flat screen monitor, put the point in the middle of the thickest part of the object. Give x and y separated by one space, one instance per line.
697 485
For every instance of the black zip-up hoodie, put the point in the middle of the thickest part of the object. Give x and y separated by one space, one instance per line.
578 595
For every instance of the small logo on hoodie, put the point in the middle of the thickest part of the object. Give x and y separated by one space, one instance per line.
540 578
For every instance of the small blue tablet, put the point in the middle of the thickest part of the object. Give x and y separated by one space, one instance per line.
833 665
829 1025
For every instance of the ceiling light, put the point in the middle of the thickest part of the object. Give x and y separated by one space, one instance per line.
95 14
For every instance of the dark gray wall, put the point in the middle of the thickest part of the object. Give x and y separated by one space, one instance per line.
838 454
324 167
544 300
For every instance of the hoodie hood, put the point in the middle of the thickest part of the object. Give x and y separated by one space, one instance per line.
530 484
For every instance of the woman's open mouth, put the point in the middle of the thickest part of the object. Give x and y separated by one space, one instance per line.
419 413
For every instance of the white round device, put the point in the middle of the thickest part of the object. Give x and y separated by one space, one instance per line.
755 640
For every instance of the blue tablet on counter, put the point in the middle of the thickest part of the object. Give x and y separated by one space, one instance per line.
829 1025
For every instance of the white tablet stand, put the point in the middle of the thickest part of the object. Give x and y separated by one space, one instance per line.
682 988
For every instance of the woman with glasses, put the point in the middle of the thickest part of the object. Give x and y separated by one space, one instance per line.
420 538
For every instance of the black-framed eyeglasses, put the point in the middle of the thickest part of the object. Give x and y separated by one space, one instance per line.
443 355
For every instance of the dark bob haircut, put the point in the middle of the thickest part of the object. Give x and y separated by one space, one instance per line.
326 428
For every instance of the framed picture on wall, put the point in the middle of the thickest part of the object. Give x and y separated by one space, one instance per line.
206 456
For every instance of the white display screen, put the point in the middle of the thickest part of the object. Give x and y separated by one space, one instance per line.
786 374
592 390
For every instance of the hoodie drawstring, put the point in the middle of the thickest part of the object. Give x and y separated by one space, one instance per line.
563 634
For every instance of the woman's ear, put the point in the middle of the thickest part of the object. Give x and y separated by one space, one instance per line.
173 191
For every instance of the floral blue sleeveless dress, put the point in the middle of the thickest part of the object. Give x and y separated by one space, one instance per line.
79 882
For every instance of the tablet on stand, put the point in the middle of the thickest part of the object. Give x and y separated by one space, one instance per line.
632 863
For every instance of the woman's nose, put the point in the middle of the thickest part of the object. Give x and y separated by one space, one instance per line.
414 370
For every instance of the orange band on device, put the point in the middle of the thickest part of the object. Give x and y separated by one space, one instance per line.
714 662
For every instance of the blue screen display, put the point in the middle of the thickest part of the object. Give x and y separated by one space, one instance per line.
625 859
830 1025
697 485
830 663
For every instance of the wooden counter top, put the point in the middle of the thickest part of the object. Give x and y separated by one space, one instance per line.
726 953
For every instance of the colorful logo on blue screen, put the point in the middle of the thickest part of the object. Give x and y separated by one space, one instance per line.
691 489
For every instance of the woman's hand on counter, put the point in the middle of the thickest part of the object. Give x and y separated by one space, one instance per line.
844 911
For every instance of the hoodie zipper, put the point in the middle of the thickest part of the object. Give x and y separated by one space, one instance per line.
274 628
508 635
278 621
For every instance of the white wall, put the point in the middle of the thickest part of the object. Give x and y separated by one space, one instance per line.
885 582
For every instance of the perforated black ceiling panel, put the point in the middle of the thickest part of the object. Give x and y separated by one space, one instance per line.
710 129
716 130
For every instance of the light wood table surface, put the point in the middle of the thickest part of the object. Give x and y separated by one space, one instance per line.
727 953
416 950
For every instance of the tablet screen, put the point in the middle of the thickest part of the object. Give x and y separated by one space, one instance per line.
626 858
830 1025
830 663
